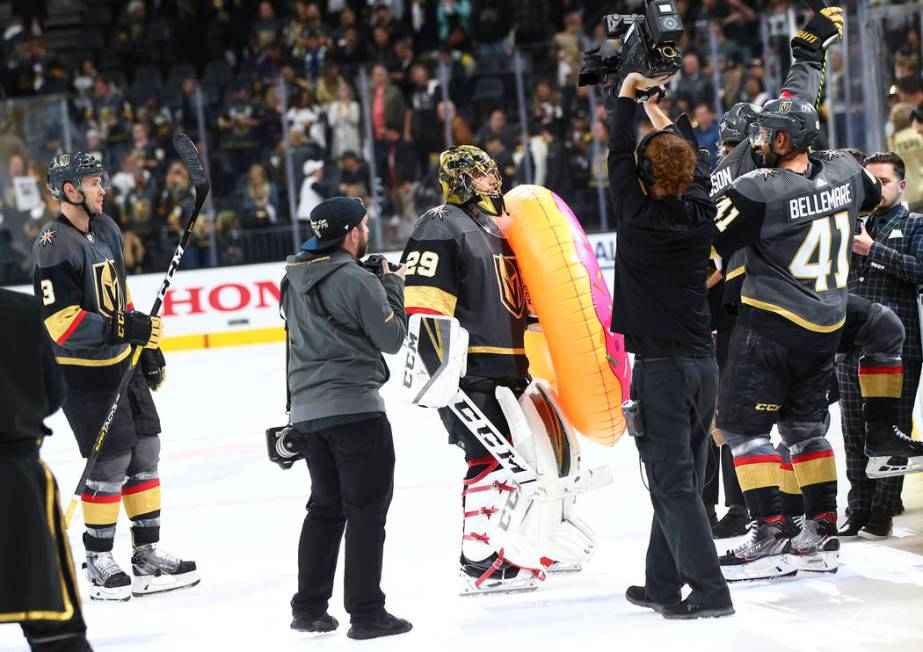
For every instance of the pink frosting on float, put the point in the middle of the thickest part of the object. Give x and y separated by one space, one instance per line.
602 300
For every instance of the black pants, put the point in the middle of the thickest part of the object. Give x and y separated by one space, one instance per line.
678 400
352 481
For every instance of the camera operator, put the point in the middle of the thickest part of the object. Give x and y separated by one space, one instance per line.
340 317
663 219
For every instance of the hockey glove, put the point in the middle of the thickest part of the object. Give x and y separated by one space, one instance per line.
825 27
135 328
154 368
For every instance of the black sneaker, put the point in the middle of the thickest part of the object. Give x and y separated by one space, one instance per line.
877 527
637 595
732 524
323 623
686 610
855 521
384 625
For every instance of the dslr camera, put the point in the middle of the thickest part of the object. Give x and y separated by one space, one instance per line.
285 445
375 264
648 45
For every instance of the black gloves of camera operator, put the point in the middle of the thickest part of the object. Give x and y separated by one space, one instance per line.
824 28
135 328
153 367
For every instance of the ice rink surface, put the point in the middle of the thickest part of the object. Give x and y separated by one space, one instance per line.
238 516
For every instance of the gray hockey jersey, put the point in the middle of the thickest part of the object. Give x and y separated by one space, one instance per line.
80 279
798 231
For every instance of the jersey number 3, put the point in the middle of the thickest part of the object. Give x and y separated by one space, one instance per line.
813 261
47 292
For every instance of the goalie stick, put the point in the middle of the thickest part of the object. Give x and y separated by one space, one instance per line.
189 155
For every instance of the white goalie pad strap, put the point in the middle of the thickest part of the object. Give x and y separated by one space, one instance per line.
435 355
482 498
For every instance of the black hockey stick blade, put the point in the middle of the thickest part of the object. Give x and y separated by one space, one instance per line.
189 155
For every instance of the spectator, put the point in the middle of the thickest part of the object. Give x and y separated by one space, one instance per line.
307 116
692 85
111 114
328 86
496 127
315 52
313 189
354 180
910 91
547 110
401 64
754 92
381 51
908 145
567 50
141 222
388 109
495 147
239 126
461 132
706 131
151 157
175 209
260 201
422 126
343 119
266 30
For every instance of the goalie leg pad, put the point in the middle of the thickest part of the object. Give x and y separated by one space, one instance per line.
484 491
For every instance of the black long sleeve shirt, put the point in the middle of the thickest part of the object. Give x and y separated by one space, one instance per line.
659 294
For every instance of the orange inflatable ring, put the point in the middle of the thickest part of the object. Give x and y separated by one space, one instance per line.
574 308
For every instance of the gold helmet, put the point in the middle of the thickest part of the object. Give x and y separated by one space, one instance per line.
460 167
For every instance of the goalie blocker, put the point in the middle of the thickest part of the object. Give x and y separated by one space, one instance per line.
531 521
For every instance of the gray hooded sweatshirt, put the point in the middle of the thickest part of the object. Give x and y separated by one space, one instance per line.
340 319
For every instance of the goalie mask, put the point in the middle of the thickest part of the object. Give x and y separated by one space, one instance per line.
468 175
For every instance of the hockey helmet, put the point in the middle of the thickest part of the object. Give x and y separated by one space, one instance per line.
72 168
795 117
468 174
735 124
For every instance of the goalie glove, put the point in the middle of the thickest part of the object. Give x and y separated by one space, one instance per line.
154 368
824 27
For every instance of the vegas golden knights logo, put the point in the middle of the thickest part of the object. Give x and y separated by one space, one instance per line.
108 291
512 291
785 106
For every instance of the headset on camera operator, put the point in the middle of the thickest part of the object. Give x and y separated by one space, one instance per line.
341 314
663 219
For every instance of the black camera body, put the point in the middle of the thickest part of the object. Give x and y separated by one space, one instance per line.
285 445
375 264
648 45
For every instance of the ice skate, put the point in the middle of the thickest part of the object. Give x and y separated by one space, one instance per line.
764 554
157 571
487 576
891 452
817 547
108 582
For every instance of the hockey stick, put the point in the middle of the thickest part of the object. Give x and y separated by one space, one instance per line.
190 158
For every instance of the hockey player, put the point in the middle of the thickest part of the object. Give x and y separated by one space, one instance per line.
459 264
79 274
796 218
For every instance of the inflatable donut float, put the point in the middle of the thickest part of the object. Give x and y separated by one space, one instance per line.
586 363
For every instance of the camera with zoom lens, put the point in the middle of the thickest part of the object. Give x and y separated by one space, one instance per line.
285 445
375 264
648 46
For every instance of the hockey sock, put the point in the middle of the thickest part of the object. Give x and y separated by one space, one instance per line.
815 469
792 500
881 380
758 469
100 501
141 496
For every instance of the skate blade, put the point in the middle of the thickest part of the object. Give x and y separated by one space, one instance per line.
767 568
822 562
117 594
497 587
145 585
880 467
562 567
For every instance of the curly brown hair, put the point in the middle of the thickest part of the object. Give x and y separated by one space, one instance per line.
673 161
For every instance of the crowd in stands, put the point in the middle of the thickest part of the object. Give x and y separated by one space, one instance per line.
253 81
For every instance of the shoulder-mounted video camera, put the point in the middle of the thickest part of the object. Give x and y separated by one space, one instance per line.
648 45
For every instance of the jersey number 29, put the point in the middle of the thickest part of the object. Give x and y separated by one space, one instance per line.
810 265
423 264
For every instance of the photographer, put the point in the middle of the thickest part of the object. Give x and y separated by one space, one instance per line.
663 218
340 318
